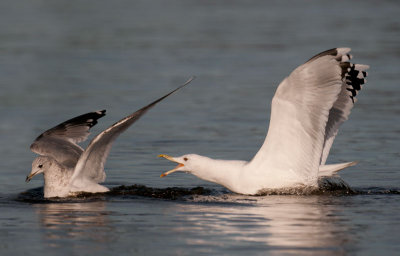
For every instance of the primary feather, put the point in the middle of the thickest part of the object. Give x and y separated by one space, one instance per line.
66 166
306 112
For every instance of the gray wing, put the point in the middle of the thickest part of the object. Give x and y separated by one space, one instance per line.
353 79
60 142
91 163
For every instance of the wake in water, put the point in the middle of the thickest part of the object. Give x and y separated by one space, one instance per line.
332 186
172 193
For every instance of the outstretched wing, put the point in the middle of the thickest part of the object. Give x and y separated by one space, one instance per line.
60 142
299 114
91 163
354 78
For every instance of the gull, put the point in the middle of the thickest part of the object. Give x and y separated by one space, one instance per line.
306 112
69 169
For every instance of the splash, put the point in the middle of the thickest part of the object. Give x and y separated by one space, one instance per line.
333 186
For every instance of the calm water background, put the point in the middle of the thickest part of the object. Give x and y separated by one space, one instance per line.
59 59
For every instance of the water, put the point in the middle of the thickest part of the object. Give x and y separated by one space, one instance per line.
60 59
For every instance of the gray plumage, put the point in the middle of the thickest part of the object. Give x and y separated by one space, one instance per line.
62 158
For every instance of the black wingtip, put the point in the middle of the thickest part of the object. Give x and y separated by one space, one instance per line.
136 115
89 119
125 122
165 96
100 113
354 76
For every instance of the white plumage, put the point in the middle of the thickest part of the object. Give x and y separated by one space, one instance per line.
306 112
69 169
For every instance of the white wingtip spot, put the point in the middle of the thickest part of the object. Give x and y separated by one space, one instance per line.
361 67
343 51
345 58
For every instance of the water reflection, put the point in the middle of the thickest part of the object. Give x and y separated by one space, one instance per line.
75 224
282 224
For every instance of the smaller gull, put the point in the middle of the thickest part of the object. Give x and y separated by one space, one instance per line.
306 112
69 169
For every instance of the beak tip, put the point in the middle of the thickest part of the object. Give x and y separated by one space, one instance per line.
163 175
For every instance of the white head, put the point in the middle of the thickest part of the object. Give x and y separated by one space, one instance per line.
39 165
224 172
186 163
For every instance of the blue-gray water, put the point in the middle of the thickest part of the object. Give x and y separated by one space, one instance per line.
59 59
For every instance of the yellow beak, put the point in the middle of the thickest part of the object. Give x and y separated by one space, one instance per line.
170 158
30 176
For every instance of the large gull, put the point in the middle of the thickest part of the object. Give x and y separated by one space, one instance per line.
306 112
69 169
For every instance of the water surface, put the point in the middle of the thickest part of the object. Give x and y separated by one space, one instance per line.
65 58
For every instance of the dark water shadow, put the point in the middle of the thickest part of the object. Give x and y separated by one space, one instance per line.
326 188
35 195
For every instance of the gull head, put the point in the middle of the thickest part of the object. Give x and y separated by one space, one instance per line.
224 172
185 163
39 165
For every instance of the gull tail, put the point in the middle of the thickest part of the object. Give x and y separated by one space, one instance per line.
332 169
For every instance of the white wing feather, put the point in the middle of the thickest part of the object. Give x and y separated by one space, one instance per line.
353 79
299 114
90 166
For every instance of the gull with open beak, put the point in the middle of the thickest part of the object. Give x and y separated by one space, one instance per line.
307 110
177 168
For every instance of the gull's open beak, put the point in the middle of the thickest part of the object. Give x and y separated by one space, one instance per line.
170 158
30 176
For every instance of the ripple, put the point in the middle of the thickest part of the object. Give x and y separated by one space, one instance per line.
172 193
328 187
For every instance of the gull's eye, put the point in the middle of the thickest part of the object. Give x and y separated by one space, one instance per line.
185 158
40 165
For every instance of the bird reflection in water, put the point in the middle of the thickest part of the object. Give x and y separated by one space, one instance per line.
70 224
277 224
